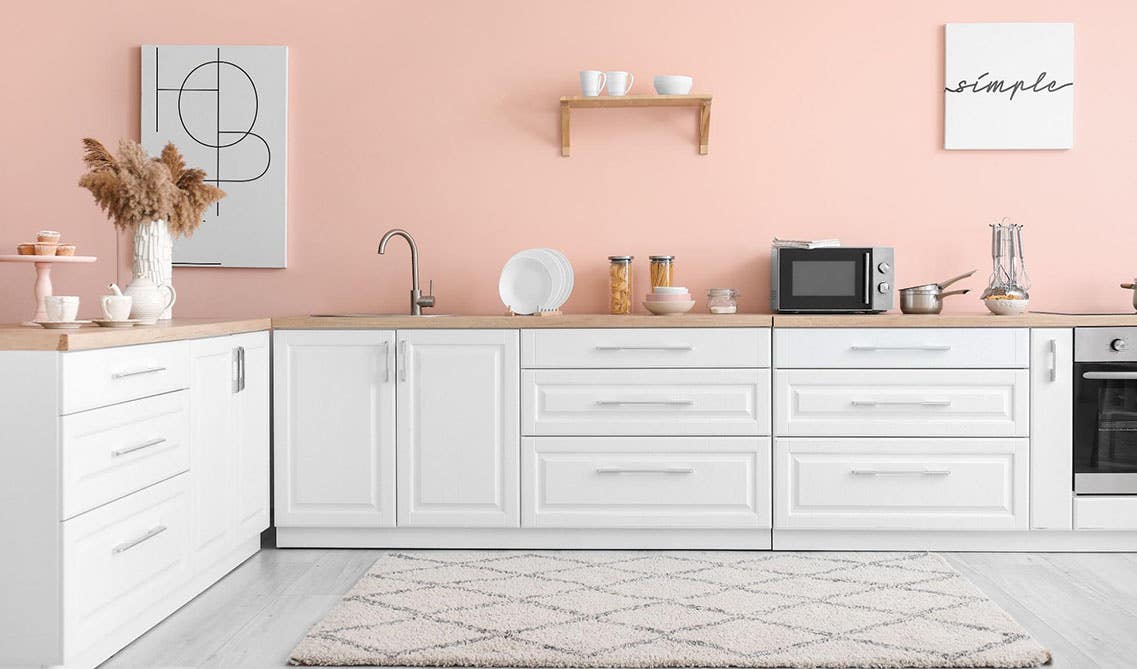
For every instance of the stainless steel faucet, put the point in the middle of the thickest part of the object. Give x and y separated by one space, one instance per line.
418 300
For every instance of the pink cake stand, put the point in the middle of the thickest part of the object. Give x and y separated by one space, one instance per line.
43 276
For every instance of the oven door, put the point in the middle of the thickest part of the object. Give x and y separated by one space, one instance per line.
836 279
1105 428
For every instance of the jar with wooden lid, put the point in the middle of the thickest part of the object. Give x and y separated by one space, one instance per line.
620 284
662 271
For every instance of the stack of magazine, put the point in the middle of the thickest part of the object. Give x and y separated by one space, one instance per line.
806 243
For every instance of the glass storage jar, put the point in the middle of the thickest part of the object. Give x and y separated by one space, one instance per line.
662 271
620 284
722 300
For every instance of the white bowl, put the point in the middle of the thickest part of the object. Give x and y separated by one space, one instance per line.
669 308
672 84
1007 307
670 290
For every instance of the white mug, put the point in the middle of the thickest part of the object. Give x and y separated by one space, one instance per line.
619 83
61 307
591 82
116 307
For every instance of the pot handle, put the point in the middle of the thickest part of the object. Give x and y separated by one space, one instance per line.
1127 286
955 292
173 296
945 284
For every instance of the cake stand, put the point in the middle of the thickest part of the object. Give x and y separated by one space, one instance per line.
43 276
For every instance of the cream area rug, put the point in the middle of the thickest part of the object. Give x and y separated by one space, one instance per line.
666 609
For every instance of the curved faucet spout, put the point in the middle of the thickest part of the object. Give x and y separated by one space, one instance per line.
418 300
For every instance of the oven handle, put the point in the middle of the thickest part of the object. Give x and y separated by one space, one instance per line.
1106 376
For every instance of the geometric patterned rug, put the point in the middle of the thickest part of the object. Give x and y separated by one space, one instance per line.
666 609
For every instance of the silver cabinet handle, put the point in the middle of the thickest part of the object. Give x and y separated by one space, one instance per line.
137 447
678 347
1053 360
914 347
403 356
900 472
645 470
240 368
386 362
137 372
1109 376
127 545
899 403
645 402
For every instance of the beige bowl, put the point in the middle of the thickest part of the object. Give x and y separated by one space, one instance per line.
669 308
1007 307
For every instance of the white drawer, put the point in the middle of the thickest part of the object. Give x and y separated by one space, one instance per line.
116 450
902 348
636 482
122 558
1105 512
107 376
891 484
640 402
647 347
901 403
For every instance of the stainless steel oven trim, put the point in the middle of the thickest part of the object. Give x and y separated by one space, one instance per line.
1105 484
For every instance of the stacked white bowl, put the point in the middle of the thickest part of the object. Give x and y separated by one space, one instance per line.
669 300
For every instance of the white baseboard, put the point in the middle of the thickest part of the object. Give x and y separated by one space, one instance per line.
414 537
1001 541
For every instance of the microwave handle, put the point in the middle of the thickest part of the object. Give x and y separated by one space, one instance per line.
1106 376
868 278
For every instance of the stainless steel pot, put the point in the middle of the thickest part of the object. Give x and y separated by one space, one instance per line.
928 298
1132 286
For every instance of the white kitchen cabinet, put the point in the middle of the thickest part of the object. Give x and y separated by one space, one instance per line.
901 348
645 348
1051 429
229 442
458 437
334 428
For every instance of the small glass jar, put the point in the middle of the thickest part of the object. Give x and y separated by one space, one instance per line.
620 284
722 300
662 271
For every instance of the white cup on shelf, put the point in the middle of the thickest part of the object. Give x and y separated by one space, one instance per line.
619 83
591 82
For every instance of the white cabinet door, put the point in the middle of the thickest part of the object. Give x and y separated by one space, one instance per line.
334 428
251 436
1051 429
213 378
458 436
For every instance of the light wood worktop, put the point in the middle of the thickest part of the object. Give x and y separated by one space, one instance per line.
975 320
24 338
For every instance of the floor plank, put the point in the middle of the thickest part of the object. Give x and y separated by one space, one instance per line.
1083 607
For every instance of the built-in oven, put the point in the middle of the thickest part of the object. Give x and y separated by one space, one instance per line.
836 280
1105 411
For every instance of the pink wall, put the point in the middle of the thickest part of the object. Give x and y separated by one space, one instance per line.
441 117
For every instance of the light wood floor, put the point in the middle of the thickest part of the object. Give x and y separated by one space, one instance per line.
1083 607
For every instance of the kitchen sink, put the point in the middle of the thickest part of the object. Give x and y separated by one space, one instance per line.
379 315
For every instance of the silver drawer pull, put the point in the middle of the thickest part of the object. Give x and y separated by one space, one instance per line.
1109 376
138 447
645 470
901 403
680 347
127 545
900 472
609 403
137 372
915 347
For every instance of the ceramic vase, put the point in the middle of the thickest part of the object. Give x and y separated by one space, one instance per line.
154 256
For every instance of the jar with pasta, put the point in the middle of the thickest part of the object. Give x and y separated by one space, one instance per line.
662 271
620 284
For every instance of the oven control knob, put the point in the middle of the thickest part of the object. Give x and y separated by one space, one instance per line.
1119 344
883 268
883 287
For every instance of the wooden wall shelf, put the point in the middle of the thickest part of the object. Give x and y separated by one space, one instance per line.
701 102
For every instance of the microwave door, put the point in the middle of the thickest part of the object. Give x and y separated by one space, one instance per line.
825 280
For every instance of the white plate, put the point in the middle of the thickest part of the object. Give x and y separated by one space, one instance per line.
526 283
128 323
559 277
567 273
62 325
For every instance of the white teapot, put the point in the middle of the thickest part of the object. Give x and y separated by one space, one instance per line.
148 301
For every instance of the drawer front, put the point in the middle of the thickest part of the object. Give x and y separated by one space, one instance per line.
108 376
901 403
645 348
636 482
116 450
1105 512
866 348
641 402
122 558
911 484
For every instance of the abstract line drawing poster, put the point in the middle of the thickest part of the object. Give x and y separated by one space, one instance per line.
1009 86
226 109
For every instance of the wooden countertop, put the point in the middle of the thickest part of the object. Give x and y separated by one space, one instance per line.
24 338
890 320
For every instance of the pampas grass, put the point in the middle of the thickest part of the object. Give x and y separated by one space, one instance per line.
133 188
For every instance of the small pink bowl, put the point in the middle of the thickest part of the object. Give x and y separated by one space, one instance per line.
664 297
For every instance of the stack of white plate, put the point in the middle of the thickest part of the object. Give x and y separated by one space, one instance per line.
535 280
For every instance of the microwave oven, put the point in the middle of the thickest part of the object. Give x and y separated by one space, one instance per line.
841 279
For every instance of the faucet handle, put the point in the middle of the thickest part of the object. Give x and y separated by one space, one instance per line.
428 299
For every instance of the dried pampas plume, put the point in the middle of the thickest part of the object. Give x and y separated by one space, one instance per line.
132 188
